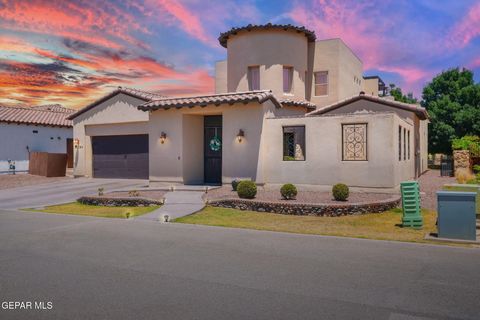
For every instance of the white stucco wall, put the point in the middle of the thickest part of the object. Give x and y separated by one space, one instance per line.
323 164
116 116
16 138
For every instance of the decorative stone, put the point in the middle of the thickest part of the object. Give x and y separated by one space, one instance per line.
119 202
461 159
301 209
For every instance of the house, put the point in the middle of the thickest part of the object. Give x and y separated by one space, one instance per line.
39 128
287 108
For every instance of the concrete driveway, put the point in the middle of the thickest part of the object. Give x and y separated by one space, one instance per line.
94 268
60 192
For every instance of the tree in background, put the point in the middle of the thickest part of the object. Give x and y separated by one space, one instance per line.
397 94
452 100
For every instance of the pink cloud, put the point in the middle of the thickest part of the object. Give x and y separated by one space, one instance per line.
467 29
362 26
188 20
76 21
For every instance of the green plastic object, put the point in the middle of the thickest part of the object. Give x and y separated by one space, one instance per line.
412 216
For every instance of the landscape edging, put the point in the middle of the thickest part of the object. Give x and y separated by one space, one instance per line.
304 209
119 202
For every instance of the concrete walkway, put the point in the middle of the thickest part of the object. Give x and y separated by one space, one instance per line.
177 204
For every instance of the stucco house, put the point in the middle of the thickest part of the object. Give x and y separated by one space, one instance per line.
38 128
287 108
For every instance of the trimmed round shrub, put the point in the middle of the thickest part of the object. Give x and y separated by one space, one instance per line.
288 191
235 183
340 192
247 189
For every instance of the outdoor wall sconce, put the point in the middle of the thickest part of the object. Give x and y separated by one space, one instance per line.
163 137
76 143
240 135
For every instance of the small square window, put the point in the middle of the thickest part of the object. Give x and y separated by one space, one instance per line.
294 143
354 138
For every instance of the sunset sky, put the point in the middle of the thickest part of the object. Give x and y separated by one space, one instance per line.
72 52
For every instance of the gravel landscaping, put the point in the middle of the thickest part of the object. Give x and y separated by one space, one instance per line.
431 182
9 181
316 197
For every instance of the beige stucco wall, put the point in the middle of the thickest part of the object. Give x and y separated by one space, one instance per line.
404 170
180 158
192 152
350 69
323 164
424 145
270 50
370 86
334 56
116 116
419 131
221 76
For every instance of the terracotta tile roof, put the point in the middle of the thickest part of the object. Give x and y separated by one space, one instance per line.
417 109
35 116
136 93
54 107
223 38
214 99
298 103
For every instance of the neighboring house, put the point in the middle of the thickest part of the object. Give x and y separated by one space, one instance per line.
27 129
287 108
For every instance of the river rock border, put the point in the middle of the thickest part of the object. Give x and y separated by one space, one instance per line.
306 209
119 202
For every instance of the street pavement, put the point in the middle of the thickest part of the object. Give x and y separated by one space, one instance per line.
95 268
61 192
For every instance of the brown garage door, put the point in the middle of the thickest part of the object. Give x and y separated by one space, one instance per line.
124 157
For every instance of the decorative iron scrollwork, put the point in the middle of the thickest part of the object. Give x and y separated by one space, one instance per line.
355 142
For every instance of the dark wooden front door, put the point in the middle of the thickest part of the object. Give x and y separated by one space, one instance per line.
69 153
213 149
123 157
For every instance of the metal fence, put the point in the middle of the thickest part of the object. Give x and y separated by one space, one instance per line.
446 166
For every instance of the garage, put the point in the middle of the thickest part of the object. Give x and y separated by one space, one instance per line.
121 157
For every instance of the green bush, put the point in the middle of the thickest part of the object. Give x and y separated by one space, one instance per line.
476 169
247 189
470 143
340 192
235 183
288 191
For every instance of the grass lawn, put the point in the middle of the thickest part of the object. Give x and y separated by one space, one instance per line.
372 226
96 211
